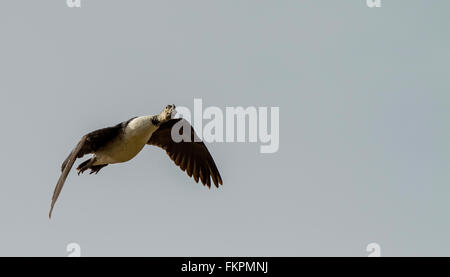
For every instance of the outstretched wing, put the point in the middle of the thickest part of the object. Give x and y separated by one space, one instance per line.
191 156
88 144
67 165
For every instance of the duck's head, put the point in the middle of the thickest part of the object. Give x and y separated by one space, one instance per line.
167 113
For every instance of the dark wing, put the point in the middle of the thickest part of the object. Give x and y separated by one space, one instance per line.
192 157
88 144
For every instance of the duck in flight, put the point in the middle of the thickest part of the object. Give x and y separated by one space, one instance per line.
122 142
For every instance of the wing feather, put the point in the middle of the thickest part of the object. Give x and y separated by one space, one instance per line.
88 144
191 156
68 163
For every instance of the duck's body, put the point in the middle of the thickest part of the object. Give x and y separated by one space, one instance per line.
122 142
129 143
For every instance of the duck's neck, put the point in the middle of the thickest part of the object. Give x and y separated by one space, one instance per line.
143 125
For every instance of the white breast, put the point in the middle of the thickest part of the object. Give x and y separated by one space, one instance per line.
129 144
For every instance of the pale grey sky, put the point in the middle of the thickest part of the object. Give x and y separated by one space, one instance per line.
364 139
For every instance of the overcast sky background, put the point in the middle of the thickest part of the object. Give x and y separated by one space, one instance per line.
364 138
